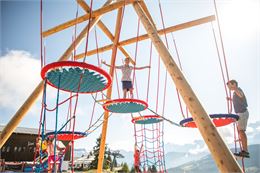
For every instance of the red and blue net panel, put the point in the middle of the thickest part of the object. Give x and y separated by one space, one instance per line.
74 76
218 119
125 105
66 135
147 119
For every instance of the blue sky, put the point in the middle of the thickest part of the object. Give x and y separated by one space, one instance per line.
20 61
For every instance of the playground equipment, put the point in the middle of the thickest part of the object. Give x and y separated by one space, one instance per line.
221 154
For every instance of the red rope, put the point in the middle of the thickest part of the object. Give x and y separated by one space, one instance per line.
97 47
149 72
240 144
39 130
163 25
178 94
69 113
98 59
165 91
119 33
136 88
117 85
93 111
158 83
136 48
75 33
64 101
88 29
41 11
177 52
72 53
222 70
223 52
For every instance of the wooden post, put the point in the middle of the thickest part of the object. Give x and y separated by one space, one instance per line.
109 91
220 152
145 36
17 118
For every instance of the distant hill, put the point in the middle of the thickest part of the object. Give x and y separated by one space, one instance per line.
172 159
206 164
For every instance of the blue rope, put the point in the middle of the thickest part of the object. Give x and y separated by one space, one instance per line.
153 144
65 124
56 123
43 120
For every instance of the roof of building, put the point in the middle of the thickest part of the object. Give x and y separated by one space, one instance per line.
22 130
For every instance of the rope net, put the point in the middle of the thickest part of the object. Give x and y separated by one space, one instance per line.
149 141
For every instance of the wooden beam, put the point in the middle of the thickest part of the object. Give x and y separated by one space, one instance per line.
220 152
103 27
145 36
96 13
17 118
146 11
109 91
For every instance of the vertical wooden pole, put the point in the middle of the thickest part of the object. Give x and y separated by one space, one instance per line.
17 118
221 154
109 91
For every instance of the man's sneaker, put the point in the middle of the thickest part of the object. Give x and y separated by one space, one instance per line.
245 154
242 154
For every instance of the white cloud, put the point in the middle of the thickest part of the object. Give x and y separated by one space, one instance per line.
19 75
198 149
227 133
251 130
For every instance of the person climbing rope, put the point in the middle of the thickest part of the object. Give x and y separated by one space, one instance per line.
126 75
137 160
240 107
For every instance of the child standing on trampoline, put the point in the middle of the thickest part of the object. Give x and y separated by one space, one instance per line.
126 69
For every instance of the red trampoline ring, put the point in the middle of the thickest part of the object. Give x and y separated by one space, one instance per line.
66 135
218 119
83 65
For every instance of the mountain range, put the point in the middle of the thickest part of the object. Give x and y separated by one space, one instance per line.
206 164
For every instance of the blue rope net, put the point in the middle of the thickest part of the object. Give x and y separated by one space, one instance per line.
70 78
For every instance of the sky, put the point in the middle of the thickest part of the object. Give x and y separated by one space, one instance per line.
240 27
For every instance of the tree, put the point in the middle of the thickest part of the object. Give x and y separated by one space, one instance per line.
109 161
132 169
124 168
152 169
94 163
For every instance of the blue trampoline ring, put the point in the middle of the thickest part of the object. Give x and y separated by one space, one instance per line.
125 105
92 79
147 119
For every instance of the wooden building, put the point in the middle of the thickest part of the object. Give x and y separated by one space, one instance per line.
21 145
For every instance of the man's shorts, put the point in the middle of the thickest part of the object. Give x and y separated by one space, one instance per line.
242 121
127 85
